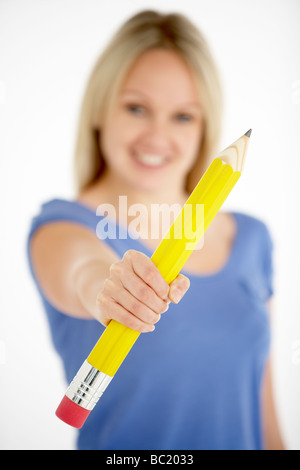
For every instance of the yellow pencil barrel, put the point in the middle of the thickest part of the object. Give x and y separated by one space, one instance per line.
169 257
112 347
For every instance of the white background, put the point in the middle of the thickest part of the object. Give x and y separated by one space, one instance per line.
46 51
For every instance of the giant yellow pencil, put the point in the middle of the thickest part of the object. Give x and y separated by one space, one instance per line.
170 256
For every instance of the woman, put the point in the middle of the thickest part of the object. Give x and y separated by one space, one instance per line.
150 120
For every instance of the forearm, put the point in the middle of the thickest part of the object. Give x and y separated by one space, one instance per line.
88 280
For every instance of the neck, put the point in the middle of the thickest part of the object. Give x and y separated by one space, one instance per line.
149 211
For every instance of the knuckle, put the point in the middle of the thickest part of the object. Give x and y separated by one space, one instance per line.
149 275
137 308
115 268
144 313
164 290
163 308
144 294
108 285
101 299
151 317
133 323
129 255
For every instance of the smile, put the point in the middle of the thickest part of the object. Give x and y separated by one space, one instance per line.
150 160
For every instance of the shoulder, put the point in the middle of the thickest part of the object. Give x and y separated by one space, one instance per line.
58 245
61 220
62 209
250 220
255 238
252 225
62 230
57 214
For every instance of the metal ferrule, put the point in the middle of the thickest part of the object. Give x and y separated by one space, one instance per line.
87 386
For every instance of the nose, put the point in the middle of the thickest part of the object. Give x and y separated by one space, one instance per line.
157 134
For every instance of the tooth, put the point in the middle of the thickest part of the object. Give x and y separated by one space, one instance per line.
151 159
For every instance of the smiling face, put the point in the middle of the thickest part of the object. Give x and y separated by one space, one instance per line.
152 136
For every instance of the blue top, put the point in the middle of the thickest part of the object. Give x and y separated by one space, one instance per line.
195 382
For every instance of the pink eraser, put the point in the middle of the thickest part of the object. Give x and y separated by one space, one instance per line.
71 413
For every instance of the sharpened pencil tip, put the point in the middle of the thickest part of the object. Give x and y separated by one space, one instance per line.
248 133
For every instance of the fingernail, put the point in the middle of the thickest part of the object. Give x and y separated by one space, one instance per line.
184 284
176 295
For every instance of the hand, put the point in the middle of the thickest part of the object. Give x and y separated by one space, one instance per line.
135 294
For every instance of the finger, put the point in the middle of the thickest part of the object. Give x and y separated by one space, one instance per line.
144 267
111 310
123 297
178 288
128 279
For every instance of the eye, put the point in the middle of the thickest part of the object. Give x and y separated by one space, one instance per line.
183 117
135 109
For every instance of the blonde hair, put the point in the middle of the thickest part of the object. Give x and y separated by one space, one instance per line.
144 31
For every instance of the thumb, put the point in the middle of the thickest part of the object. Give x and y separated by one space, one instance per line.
178 288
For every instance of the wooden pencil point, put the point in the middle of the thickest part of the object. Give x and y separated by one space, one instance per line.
248 133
